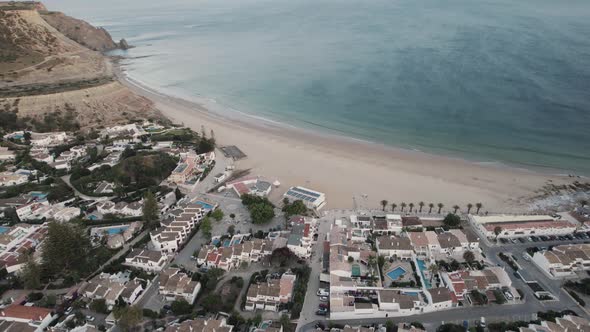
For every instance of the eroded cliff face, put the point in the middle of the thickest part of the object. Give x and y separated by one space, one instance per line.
50 62
83 33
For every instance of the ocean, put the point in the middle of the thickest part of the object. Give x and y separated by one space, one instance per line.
493 81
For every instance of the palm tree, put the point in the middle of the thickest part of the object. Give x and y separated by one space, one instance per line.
384 204
497 231
478 206
455 207
393 206
403 205
421 205
469 207
433 269
430 206
440 206
411 205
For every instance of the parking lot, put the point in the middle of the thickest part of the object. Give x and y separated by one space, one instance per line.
579 236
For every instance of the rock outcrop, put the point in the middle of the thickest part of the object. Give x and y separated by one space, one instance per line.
123 44
83 33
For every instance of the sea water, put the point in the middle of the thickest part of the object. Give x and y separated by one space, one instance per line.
491 81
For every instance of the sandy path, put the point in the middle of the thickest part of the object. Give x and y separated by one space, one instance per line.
343 167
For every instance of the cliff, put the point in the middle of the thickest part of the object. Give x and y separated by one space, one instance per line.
46 68
83 33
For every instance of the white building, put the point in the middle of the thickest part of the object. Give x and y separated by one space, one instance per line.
147 260
49 139
312 199
12 179
250 185
394 246
268 295
564 261
6 154
175 285
510 226
25 318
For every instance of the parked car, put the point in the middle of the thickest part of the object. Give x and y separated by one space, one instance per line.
321 312
90 318
322 292
324 299
526 257
522 240
508 295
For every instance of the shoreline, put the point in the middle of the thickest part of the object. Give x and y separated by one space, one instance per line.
328 162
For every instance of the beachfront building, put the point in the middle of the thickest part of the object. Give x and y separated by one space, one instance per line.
387 224
189 166
175 285
300 240
200 325
510 226
147 260
394 247
312 199
251 186
131 130
268 295
564 261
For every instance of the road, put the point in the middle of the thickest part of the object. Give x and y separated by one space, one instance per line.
512 312
66 179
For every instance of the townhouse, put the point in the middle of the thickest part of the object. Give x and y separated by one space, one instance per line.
200 325
396 301
175 231
394 247
269 294
133 209
174 284
110 287
564 261
147 260
441 298
16 243
233 256
490 278
301 239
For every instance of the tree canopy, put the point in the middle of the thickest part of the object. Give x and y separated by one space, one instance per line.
150 210
295 208
66 248
452 220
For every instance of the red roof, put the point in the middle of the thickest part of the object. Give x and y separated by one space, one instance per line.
241 188
213 257
306 230
22 312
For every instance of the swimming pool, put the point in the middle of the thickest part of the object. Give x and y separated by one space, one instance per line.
206 206
226 243
4 229
422 268
116 230
396 273
356 270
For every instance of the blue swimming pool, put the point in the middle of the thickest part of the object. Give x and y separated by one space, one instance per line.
206 206
226 243
396 273
4 229
422 267
116 230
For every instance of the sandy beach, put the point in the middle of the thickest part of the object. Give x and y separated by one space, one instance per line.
343 168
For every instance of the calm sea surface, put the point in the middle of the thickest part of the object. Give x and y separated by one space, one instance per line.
493 81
